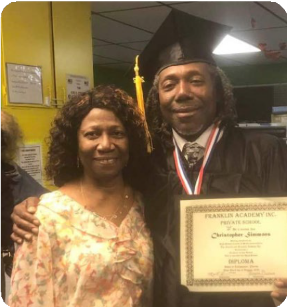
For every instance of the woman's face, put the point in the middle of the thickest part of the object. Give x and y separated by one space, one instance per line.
103 144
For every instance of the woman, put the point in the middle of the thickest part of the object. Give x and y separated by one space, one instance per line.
18 181
16 186
93 248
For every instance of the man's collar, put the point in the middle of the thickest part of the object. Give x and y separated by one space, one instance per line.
201 140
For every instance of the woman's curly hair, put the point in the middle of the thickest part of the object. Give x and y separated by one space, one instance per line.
11 137
63 151
226 111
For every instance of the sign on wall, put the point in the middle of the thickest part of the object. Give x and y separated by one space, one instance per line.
76 85
24 84
30 159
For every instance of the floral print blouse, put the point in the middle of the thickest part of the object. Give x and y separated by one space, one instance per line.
81 259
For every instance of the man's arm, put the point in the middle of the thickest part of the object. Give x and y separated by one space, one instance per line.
26 187
25 223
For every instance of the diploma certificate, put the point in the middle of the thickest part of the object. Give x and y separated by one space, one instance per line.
237 244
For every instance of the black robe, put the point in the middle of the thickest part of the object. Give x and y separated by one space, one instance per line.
243 163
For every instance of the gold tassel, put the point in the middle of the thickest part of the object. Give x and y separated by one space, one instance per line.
140 99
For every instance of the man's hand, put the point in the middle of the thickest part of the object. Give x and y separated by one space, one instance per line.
280 293
25 223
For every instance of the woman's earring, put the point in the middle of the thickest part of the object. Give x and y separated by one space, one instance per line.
78 162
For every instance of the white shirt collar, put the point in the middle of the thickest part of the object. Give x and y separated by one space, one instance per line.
201 140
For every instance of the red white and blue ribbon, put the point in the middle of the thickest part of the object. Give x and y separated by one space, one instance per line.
187 185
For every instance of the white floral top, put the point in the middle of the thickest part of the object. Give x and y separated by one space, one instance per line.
80 259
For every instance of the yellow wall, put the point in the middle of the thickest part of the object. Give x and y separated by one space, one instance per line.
29 38
72 41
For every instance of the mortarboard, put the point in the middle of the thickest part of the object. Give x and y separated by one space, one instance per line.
182 38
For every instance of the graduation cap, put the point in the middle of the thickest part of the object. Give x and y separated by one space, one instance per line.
182 38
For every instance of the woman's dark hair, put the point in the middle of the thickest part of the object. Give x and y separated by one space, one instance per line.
63 151
225 107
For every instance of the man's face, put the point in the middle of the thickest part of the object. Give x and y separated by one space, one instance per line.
188 98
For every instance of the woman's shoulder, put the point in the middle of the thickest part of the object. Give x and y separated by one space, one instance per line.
54 196
56 202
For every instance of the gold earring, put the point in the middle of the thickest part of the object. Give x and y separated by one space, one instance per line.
78 162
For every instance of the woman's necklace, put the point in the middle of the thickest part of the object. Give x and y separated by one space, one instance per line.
120 209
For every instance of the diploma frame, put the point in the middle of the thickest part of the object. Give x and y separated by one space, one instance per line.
210 264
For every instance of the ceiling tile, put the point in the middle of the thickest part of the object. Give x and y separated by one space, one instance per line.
271 37
119 66
172 2
109 30
235 14
102 60
275 8
99 42
253 58
252 22
227 13
136 45
104 6
264 18
116 52
149 19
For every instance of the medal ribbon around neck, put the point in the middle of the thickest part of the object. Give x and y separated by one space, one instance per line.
187 185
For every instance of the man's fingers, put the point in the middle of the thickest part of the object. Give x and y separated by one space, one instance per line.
32 209
31 204
281 283
19 233
25 219
27 206
280 293
21 226
26 222
281 296
16 239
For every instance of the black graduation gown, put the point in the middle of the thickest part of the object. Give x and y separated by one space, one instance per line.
242 163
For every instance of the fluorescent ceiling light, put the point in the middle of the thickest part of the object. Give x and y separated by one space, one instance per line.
230 45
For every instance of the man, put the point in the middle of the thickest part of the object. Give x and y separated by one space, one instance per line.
189 99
